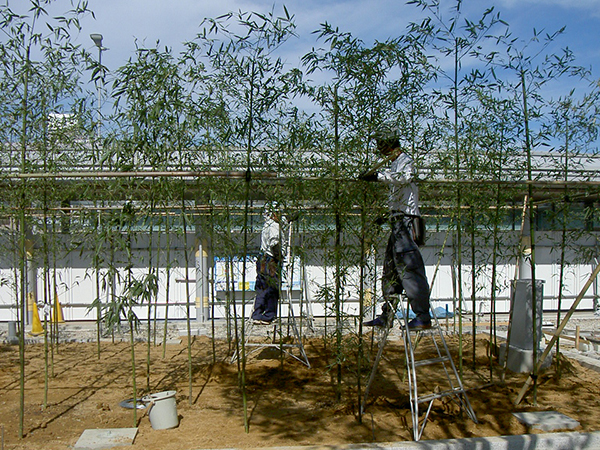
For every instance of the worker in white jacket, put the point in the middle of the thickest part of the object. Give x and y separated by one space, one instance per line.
403 267
268 266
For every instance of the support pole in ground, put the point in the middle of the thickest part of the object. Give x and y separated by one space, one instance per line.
199 284
202 303
596 298
31 280
205 283
559 330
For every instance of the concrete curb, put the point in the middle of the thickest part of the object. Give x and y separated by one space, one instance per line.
585 361
547 441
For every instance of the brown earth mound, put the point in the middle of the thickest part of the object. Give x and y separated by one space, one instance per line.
288 404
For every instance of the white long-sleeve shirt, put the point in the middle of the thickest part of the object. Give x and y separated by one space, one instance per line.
403 192
273 238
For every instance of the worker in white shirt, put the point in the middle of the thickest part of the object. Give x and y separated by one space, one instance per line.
268 266
403 267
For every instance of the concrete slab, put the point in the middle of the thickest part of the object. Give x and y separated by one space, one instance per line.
546 441
592 363
521 361
546 420
101 439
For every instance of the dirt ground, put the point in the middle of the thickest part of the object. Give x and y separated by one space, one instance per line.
288 404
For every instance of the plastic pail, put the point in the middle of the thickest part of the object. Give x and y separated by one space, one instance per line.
12 333
162 410
12 330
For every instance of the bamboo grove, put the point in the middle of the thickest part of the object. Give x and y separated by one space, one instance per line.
198 140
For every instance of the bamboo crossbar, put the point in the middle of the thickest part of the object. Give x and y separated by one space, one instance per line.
259 175
567 337
142 174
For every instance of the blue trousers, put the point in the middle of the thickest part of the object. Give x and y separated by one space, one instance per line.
404 269
267 288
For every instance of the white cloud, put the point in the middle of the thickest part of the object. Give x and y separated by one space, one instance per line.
592 6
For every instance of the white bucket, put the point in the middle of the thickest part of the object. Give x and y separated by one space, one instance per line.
162 410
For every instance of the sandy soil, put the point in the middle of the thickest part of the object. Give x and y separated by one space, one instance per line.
287 402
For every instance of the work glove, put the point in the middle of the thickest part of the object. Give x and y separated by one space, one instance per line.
380 220
368 176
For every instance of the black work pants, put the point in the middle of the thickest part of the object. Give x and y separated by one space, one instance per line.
267 288
404 269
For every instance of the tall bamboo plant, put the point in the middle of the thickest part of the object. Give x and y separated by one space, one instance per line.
455 39
371 87
572 125
34 55
250 80
488 137
496 141
150 94
533 69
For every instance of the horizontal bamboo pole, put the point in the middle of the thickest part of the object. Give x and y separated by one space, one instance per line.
240 174
568 338
535 183
142 174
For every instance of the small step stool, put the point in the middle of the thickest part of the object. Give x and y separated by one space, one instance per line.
454 390
277 340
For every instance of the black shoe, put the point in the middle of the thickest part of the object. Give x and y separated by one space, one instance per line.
419 324
379 321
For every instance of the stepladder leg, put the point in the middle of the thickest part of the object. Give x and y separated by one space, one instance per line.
418 353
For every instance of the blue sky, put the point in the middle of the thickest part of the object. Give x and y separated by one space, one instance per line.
123 22
127 23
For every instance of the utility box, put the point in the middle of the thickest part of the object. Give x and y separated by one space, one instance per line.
521 320
520 351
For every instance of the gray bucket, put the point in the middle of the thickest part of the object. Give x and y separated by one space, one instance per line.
12 333
162 410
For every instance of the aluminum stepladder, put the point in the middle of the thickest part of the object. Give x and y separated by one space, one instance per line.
280 323
454 391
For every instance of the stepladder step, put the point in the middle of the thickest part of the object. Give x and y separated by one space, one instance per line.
441 394
426 362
